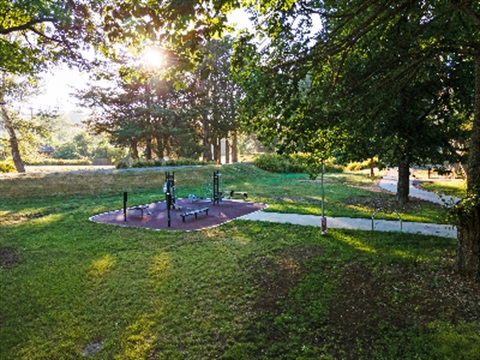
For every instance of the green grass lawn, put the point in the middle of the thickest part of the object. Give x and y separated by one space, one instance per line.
346 194
456 187
75 289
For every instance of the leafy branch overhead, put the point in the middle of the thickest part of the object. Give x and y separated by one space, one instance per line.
35 33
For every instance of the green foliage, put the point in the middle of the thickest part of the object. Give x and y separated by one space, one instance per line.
367 83
296 163
364 165
60 162
7 166
277 164
84 145
66 151
128 162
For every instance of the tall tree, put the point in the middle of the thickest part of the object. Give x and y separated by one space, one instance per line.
216 96
419 32
145 112
34 34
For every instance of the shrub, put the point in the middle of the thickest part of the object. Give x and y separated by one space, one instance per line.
358 165
128 162
297 163
364 165
442 170
186 161
6 167
330 167
277 164
59 162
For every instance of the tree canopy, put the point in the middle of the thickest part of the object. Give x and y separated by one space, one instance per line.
403 76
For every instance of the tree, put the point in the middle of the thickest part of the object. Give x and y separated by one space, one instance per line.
35 34
142 110
215 94
9 86
419 32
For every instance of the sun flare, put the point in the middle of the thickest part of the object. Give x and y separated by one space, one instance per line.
153 57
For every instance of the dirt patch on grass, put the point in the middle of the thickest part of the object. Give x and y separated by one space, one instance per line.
379 200
365 308
308 200
368 301
276 274
8 257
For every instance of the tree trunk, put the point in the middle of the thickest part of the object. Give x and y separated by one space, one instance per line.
403 185
218 145
468 236
215 149
234 147
227 151
217 156
207 146
134 150
159 148
468 245
372 168
148 150
17 159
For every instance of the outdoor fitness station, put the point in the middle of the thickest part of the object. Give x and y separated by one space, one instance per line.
218 206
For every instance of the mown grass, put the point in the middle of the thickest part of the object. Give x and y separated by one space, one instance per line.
245 290
457 187
348 195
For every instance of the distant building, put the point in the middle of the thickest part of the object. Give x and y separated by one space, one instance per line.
46 149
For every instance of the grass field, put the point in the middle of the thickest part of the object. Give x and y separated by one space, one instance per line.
75 289
456 187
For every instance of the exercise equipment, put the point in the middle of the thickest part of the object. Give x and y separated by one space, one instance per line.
194 212
142 208
169 190
216 194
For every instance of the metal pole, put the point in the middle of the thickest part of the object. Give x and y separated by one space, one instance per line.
324 219
323 191
169 204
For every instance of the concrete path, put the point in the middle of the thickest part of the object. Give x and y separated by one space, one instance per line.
389 183
354 224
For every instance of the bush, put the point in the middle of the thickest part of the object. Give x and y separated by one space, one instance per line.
297 163
128 162
6 167
186 162
364 165
278 164
71 162
330 167
358 165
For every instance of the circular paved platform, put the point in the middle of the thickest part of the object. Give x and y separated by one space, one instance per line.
156 217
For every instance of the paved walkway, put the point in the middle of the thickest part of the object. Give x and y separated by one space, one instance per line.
355 224
388 183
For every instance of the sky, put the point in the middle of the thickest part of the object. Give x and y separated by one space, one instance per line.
61 82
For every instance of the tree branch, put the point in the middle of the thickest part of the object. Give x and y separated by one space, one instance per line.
464 6
28 25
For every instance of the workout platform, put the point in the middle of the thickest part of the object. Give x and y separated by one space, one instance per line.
155 215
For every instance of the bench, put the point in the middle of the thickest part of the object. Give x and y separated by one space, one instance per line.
142 208
238 193
194 212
